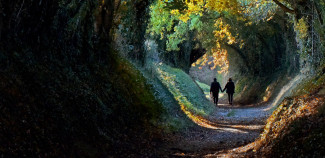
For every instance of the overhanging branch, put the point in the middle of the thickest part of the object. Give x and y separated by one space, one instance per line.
284 8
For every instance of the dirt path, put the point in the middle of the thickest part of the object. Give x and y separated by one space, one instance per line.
229 127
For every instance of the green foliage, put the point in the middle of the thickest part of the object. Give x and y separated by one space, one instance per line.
196 23
177 37
243 83
166 25
259 10
161 20
310 85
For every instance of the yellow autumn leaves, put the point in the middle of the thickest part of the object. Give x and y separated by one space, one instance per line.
193 7
230 6
301 27
218 53
197 7
222 30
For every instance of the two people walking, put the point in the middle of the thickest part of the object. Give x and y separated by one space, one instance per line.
215 87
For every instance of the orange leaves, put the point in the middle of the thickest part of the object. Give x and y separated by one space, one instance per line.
220 59
222 32
219 54
290 109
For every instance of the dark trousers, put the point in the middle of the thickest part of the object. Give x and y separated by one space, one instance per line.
230 96
215 98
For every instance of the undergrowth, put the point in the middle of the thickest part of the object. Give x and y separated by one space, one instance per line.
54 110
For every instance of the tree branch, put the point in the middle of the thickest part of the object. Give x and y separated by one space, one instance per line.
319 14
284 8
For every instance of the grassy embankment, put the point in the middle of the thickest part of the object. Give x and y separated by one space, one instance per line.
179 95
184 90
297 127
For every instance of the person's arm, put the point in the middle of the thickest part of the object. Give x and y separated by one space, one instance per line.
225 87
220 88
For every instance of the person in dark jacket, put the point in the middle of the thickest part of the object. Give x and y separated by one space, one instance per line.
230 90
214 90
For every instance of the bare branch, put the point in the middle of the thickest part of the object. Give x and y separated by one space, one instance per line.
284 8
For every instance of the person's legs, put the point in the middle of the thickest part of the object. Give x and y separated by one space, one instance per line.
229 98
215 98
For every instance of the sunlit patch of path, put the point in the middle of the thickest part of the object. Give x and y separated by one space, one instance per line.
203 122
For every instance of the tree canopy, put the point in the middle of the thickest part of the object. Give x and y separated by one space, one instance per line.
214 23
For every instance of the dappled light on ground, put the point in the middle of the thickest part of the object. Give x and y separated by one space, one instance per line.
233 128
197 119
